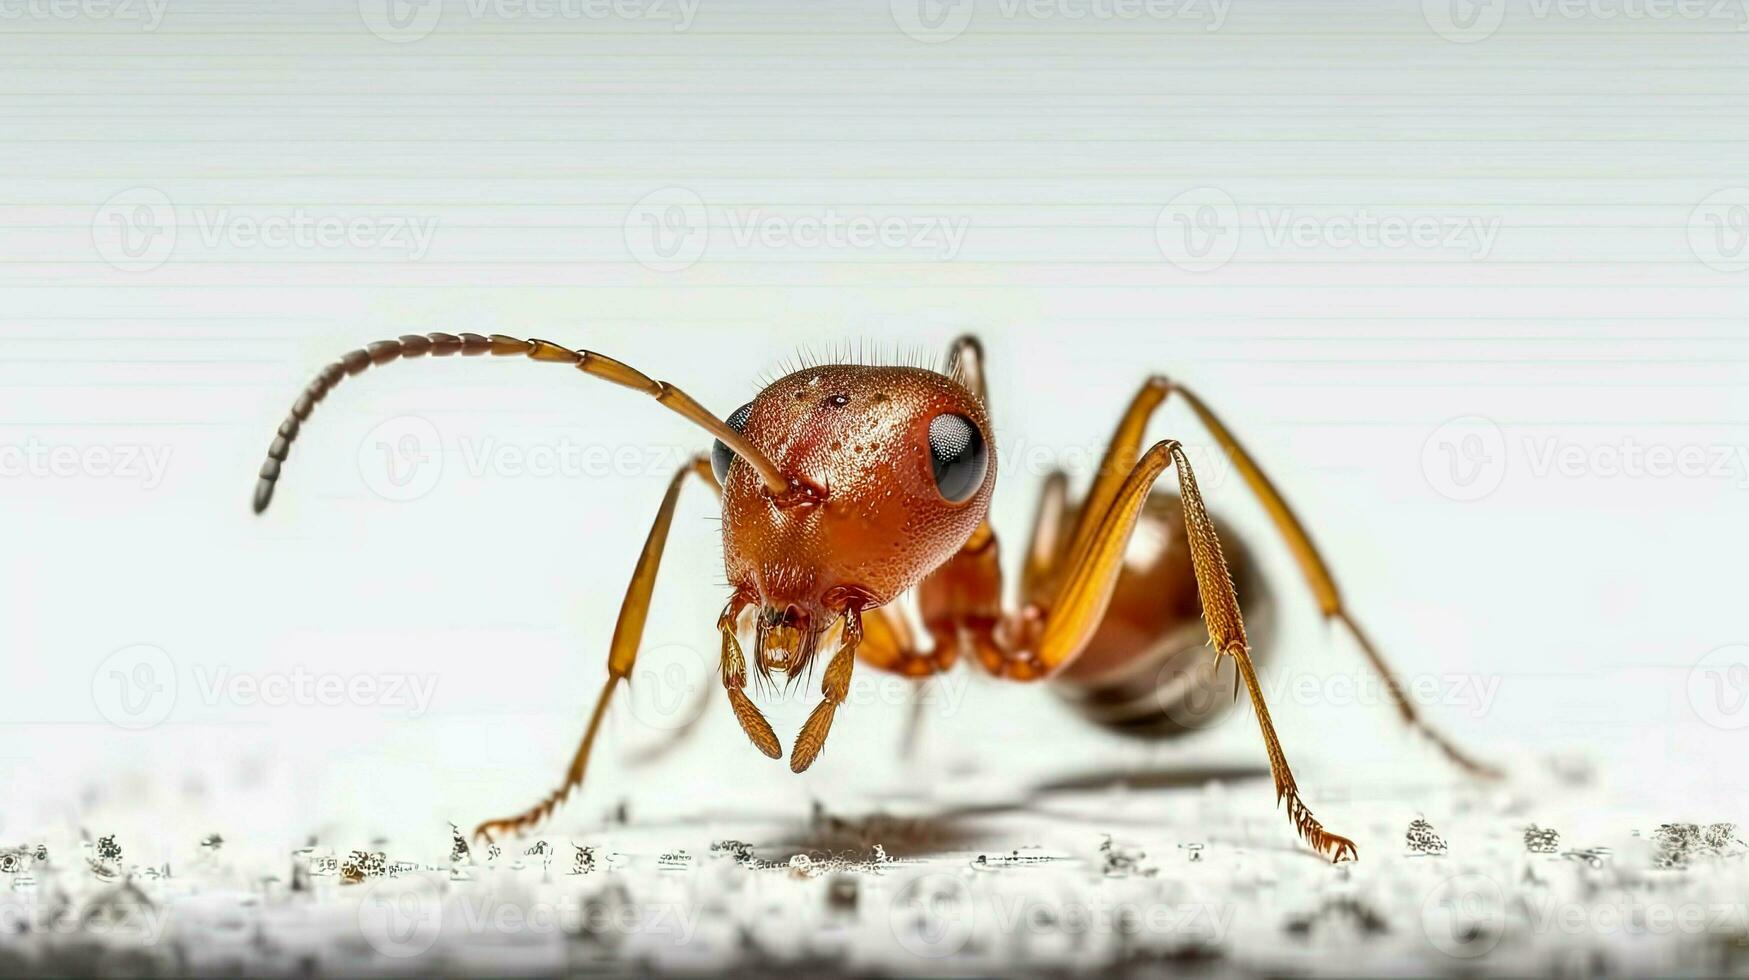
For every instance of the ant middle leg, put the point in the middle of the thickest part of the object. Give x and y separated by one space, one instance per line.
888 645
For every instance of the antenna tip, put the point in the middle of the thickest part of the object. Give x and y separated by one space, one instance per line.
263 495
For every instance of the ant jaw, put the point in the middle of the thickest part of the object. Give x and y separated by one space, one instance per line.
785 640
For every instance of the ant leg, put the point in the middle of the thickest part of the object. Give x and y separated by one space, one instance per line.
628 632
1058 635
887 644
1323 583
1044 550
836 687
734 671
1124 446
1227 633
913 724
965 364
961 601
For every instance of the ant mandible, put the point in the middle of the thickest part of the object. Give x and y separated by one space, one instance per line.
844 486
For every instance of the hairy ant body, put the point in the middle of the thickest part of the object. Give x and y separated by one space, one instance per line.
845 486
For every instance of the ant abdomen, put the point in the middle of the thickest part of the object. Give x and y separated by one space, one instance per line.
1149 670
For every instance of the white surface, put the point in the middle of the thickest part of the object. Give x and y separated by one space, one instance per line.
1573 608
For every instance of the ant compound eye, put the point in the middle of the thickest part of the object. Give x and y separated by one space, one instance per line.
958 454
721 455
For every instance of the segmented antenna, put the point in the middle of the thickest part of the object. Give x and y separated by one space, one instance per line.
381 352
443 345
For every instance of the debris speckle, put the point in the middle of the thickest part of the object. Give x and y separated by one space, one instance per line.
1679 844
1422 839
1121 862
1541 840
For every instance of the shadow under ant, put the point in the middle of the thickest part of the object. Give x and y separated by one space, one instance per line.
968 826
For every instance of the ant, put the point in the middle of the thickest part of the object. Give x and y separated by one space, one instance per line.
844 486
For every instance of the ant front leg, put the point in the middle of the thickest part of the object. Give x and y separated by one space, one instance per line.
628 633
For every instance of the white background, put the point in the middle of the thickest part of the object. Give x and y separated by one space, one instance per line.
1605 315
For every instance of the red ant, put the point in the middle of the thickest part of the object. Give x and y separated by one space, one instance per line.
844 486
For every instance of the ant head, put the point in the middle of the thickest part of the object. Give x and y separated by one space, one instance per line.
891 470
